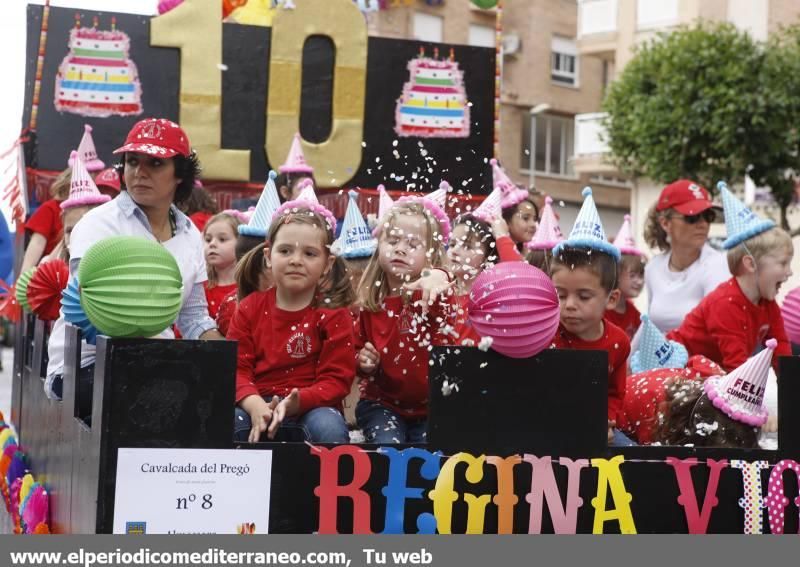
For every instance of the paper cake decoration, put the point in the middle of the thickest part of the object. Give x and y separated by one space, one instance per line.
97 77
434 102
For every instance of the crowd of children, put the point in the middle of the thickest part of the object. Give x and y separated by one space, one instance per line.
326 311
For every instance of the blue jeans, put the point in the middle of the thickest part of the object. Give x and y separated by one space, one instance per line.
383 426
621 440
319 425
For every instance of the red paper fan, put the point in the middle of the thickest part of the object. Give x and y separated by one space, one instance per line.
45 287
9 308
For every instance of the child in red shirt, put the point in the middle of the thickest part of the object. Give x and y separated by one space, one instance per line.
630 281
296 358
219 236
45 224
402 316
734 320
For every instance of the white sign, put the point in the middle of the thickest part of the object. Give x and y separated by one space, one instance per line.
192 491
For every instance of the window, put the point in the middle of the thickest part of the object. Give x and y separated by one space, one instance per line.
481 36
553 145
650 14
564 62
428 27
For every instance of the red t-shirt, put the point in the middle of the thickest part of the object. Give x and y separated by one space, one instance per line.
646 393
225 313
311 349
616 343
200 219
216 295
727 327
402 334
628 321
47 222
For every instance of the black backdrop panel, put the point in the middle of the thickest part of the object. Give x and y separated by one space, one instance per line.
244 98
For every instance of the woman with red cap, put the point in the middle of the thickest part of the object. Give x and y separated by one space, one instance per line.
688 268
158 170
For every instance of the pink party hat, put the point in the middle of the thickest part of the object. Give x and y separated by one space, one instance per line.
625 241
440 195
307 199
740 394
512 195
385 202
548 233
790 309
88 152
296 160
490 208
434 202
82 189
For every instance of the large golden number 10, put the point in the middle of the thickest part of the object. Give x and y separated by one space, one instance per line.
196 29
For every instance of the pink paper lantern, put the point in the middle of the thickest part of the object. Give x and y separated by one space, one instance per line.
516 305
791 315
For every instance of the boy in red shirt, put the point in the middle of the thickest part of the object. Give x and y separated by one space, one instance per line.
584 272
736 319
630 281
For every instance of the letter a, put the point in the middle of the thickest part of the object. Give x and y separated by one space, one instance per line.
609 475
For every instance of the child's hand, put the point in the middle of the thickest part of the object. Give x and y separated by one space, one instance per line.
260 413
288 407
771 425
368 359
432 284
611 425
500 227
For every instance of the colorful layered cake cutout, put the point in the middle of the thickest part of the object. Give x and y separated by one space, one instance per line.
97 77
434 102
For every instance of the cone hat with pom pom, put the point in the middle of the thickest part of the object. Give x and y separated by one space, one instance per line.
656 351
548 234
355 240
307 199
82 189
587 232
435 202
512 195
625 241
740 222
491 208
296 160
740 394
88 152
267 204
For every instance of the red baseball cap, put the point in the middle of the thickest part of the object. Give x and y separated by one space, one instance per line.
108 178
157 137
686 197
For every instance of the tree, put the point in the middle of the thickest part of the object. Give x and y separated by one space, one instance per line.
709 103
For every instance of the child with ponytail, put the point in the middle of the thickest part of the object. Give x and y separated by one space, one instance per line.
296 357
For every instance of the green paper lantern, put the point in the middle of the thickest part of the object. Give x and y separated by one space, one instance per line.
21 291
130 287
485 4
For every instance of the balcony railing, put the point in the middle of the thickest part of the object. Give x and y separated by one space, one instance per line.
597 17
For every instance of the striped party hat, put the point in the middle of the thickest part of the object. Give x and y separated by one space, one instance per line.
656 351
548 233
88 152
740 222
355 240
82 190
587 232
296 160
267 204
625 241
490 208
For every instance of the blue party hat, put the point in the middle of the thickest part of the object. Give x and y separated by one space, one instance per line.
355 240
740 222
655 351
74 313
267 204
587 232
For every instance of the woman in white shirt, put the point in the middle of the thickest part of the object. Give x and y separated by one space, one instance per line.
158 169
688 268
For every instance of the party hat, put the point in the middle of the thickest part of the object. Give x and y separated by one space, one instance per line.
490 208
548 233
434 202
512 195
267 204
307 199
740 394
82 190
625 241
587 232
355 240
440 195
385 202
655 351
740 222
88 152
296 160
790 309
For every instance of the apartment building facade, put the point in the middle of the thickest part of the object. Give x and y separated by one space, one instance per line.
543 72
